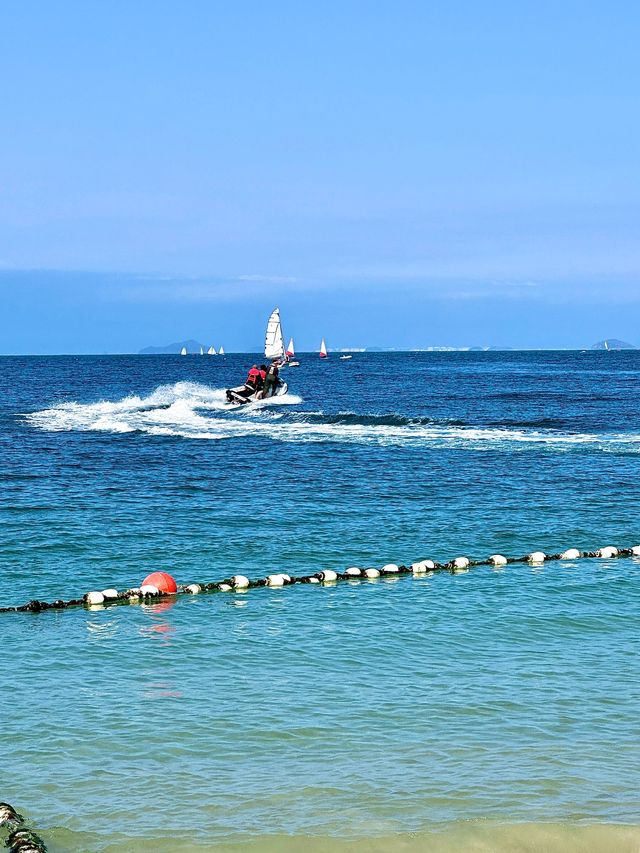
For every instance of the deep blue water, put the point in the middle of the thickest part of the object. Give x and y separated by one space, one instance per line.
360 711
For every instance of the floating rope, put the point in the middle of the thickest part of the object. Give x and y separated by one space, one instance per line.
21 839
148 593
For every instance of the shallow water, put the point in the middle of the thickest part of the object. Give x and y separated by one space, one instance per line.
493 710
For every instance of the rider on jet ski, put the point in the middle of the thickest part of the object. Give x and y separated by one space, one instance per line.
261 382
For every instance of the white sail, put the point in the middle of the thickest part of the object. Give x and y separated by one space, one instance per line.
221 351
201 351
323 349
274 342
291 349
183 351
211 351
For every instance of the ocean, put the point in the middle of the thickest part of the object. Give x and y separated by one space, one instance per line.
490 710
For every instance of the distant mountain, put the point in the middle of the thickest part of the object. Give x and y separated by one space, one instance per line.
613 343
191 345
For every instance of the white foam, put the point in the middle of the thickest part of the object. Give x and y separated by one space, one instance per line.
194 411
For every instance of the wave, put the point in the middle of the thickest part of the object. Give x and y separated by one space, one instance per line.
391 419
194 411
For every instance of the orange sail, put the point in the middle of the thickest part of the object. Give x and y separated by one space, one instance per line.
323 350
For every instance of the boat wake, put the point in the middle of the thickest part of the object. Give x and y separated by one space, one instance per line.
184 409
194 411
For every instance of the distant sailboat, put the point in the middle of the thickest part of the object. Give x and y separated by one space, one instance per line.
221 351
323 350
211 351
183 351
606 344
201 351
291 355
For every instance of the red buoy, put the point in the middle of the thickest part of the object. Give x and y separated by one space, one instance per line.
162 581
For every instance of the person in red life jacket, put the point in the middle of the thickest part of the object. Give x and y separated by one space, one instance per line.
263 376
251 382
271 380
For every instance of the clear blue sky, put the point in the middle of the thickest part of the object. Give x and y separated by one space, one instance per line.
399 173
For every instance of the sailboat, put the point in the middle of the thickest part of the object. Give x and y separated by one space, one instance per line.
221 351
274 341
323 350
274 351
183 351
211 351
201 351
291 355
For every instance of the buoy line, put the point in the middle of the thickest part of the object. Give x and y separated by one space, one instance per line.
161 586
21 839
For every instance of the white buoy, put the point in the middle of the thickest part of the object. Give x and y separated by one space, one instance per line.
224 587
570 554
275 580
353 572
537 557
461 563
636 550
498 559
314 580
421 567
372 573
149 589
110 593
240 581
608 551
328 575
193 588
94 597
134 590
390 569
287 578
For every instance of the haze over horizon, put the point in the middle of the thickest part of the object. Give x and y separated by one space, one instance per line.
404 176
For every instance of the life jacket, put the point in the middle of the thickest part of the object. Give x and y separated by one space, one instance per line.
272 372
252 376
263 374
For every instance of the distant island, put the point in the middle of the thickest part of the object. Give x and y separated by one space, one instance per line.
613 344
190 345
193 346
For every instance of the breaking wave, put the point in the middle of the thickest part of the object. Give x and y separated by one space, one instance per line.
193 411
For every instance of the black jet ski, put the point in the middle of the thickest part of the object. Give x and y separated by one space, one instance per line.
244 394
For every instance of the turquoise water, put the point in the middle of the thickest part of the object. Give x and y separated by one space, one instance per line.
492 710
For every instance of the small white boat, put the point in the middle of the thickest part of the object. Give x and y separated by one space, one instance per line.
183 351
211 351
221 351
323 350
345 357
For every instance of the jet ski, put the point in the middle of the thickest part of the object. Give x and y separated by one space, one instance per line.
274 352
244 394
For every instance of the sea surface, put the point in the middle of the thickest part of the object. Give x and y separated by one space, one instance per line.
483 711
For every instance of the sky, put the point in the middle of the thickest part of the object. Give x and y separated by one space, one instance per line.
400 173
